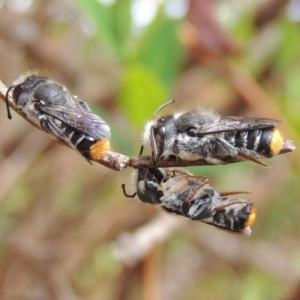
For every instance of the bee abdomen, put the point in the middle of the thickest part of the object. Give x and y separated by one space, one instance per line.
265 142
236 220
77 138
270 142
93 149
245 217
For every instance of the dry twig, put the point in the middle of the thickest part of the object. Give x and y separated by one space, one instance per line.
118 161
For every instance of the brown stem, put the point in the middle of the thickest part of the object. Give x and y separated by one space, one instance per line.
117 161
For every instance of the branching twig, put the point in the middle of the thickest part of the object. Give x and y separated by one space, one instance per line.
118 161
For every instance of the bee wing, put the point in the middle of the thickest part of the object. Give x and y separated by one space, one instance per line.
233 124
80 119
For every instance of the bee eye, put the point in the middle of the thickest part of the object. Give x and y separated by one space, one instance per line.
191 131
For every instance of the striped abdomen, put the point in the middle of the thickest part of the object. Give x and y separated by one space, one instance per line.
266 142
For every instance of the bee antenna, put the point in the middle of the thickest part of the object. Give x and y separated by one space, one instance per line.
125 193
164 105
7 102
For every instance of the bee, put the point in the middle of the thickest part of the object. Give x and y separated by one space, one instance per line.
179 192
53 109
203 134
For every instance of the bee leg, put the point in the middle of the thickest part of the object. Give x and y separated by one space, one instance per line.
254 160
48 124
225 194
206 179
153 146
202 211
125 193
224 148
174 172
52 129
45 125
186 205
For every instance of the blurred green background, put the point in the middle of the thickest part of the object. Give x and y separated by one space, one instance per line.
66 230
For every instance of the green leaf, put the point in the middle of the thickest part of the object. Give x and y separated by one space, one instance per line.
160 48
290 44
103 18
141 92
122 23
